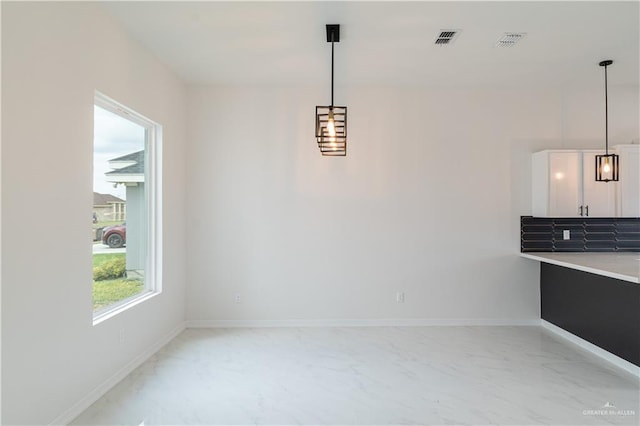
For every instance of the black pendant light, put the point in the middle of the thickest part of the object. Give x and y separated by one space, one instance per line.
331 120
607 166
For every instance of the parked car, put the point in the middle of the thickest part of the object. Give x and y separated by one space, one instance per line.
115 236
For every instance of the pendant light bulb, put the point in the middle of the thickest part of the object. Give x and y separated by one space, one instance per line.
606 168
331 125
332 143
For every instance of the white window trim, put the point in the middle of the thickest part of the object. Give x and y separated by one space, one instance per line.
153 192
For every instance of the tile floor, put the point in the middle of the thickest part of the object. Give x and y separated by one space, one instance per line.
371 375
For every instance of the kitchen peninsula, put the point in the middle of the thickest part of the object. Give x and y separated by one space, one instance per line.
595 296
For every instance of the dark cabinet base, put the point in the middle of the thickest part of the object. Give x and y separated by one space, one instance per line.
602 310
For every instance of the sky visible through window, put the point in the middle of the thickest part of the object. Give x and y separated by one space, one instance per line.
113 136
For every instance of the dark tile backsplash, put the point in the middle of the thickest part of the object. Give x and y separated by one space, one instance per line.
605 234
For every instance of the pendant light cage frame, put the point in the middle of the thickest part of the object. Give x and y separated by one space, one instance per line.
607 165
332 145
331 120
612 175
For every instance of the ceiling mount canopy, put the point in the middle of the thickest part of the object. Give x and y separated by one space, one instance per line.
607 166
331 120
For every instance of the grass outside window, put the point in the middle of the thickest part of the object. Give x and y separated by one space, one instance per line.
115 288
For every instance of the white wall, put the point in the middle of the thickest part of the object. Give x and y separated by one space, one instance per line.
54 55
427 201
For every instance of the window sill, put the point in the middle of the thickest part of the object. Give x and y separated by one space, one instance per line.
118 308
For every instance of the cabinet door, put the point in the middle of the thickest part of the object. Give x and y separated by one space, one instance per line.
565 184
629 185
598 197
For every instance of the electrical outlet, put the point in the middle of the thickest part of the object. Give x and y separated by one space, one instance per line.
566 234
237 298
400 297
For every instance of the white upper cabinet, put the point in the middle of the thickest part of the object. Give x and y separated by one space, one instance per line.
628 194
563 185
563 178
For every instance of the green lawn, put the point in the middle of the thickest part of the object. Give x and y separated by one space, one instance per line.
107 292
99 259
110 291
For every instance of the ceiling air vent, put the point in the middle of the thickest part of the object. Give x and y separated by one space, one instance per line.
509 39
446 37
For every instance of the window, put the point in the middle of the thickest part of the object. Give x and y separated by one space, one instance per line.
126 210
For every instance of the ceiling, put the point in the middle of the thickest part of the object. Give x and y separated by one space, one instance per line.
388 43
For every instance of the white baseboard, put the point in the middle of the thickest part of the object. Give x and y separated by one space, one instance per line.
596 350
400 322
73 412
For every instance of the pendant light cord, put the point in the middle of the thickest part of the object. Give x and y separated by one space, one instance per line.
606 113
332 37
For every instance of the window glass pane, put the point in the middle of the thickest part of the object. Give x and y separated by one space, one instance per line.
120 212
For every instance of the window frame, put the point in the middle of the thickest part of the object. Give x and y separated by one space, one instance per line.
153 200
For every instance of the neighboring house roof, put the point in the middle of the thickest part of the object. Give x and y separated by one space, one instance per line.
105 199
138 157
137 168
128 168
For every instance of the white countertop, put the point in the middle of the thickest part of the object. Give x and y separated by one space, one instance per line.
622 266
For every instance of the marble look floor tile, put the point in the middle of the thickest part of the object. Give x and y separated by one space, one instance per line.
371 375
